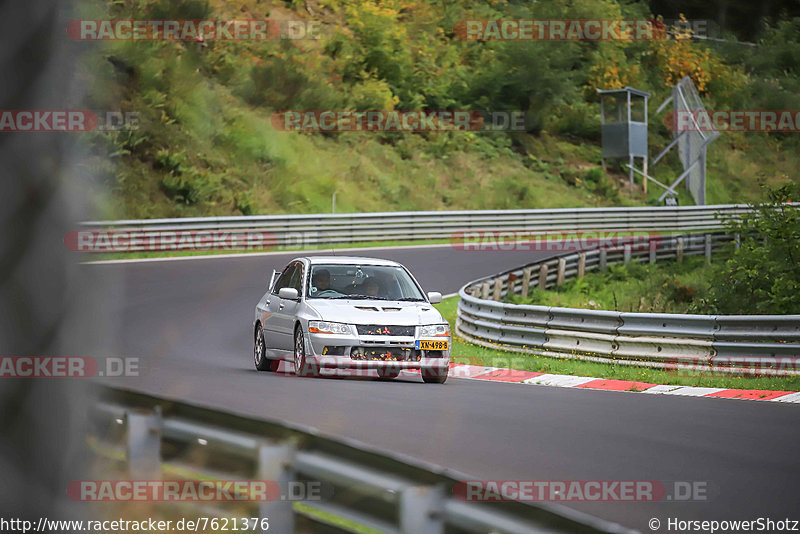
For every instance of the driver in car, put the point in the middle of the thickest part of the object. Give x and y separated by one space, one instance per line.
321 281
371 287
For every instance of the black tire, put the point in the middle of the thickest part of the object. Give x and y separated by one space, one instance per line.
260 356
388 373
301 366
434 376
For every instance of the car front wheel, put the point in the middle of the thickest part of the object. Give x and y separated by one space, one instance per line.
388 373
301 365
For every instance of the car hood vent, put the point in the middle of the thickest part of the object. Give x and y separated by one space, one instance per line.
366 308
391 309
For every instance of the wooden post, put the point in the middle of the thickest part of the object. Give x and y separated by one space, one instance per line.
543 276
581 264
511 279
498 287
485 291
626 254
653 246
644 178
630 170
708 248
562 269
679 250
603 259
526 281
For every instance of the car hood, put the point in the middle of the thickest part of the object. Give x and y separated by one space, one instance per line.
383 312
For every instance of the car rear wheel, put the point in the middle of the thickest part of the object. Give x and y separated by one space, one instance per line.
260 354
434 375
301 365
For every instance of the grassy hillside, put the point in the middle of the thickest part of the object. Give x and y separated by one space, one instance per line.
206 146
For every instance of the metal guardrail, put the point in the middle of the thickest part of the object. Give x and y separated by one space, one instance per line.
740 344
386 492
318 229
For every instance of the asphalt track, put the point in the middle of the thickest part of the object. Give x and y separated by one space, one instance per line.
190 324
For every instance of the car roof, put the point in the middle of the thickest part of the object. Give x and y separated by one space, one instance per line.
350 260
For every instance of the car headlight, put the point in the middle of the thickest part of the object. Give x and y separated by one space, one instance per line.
324 327
433 330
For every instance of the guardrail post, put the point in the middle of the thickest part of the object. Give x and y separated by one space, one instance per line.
581 264
708 248
737 239
274 464
526 281
679 250
511 279
562 269
143 448
653 247
485 290
421 510
543 276
603 259
498 287
627 254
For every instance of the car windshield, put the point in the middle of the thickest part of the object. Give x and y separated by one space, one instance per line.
375 282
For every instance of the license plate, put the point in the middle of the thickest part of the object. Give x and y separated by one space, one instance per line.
426 344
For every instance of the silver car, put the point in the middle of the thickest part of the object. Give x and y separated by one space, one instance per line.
350 313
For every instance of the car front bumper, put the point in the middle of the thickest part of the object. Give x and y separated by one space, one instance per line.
338 351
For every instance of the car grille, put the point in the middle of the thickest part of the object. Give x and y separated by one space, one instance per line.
385 354
384 330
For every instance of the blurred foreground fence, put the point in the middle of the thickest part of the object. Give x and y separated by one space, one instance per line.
731 344
369 487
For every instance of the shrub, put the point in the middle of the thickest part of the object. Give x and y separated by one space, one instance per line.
763 275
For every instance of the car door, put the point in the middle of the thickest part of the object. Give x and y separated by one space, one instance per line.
283 312
271 320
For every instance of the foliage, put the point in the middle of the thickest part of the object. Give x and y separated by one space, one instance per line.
666 287
207 145
678 56
763 275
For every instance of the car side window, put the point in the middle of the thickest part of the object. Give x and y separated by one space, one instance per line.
285 279
296 281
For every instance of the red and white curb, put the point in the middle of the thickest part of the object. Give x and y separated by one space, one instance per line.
477 372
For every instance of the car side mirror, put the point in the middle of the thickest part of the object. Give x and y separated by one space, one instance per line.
434 297
288 293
